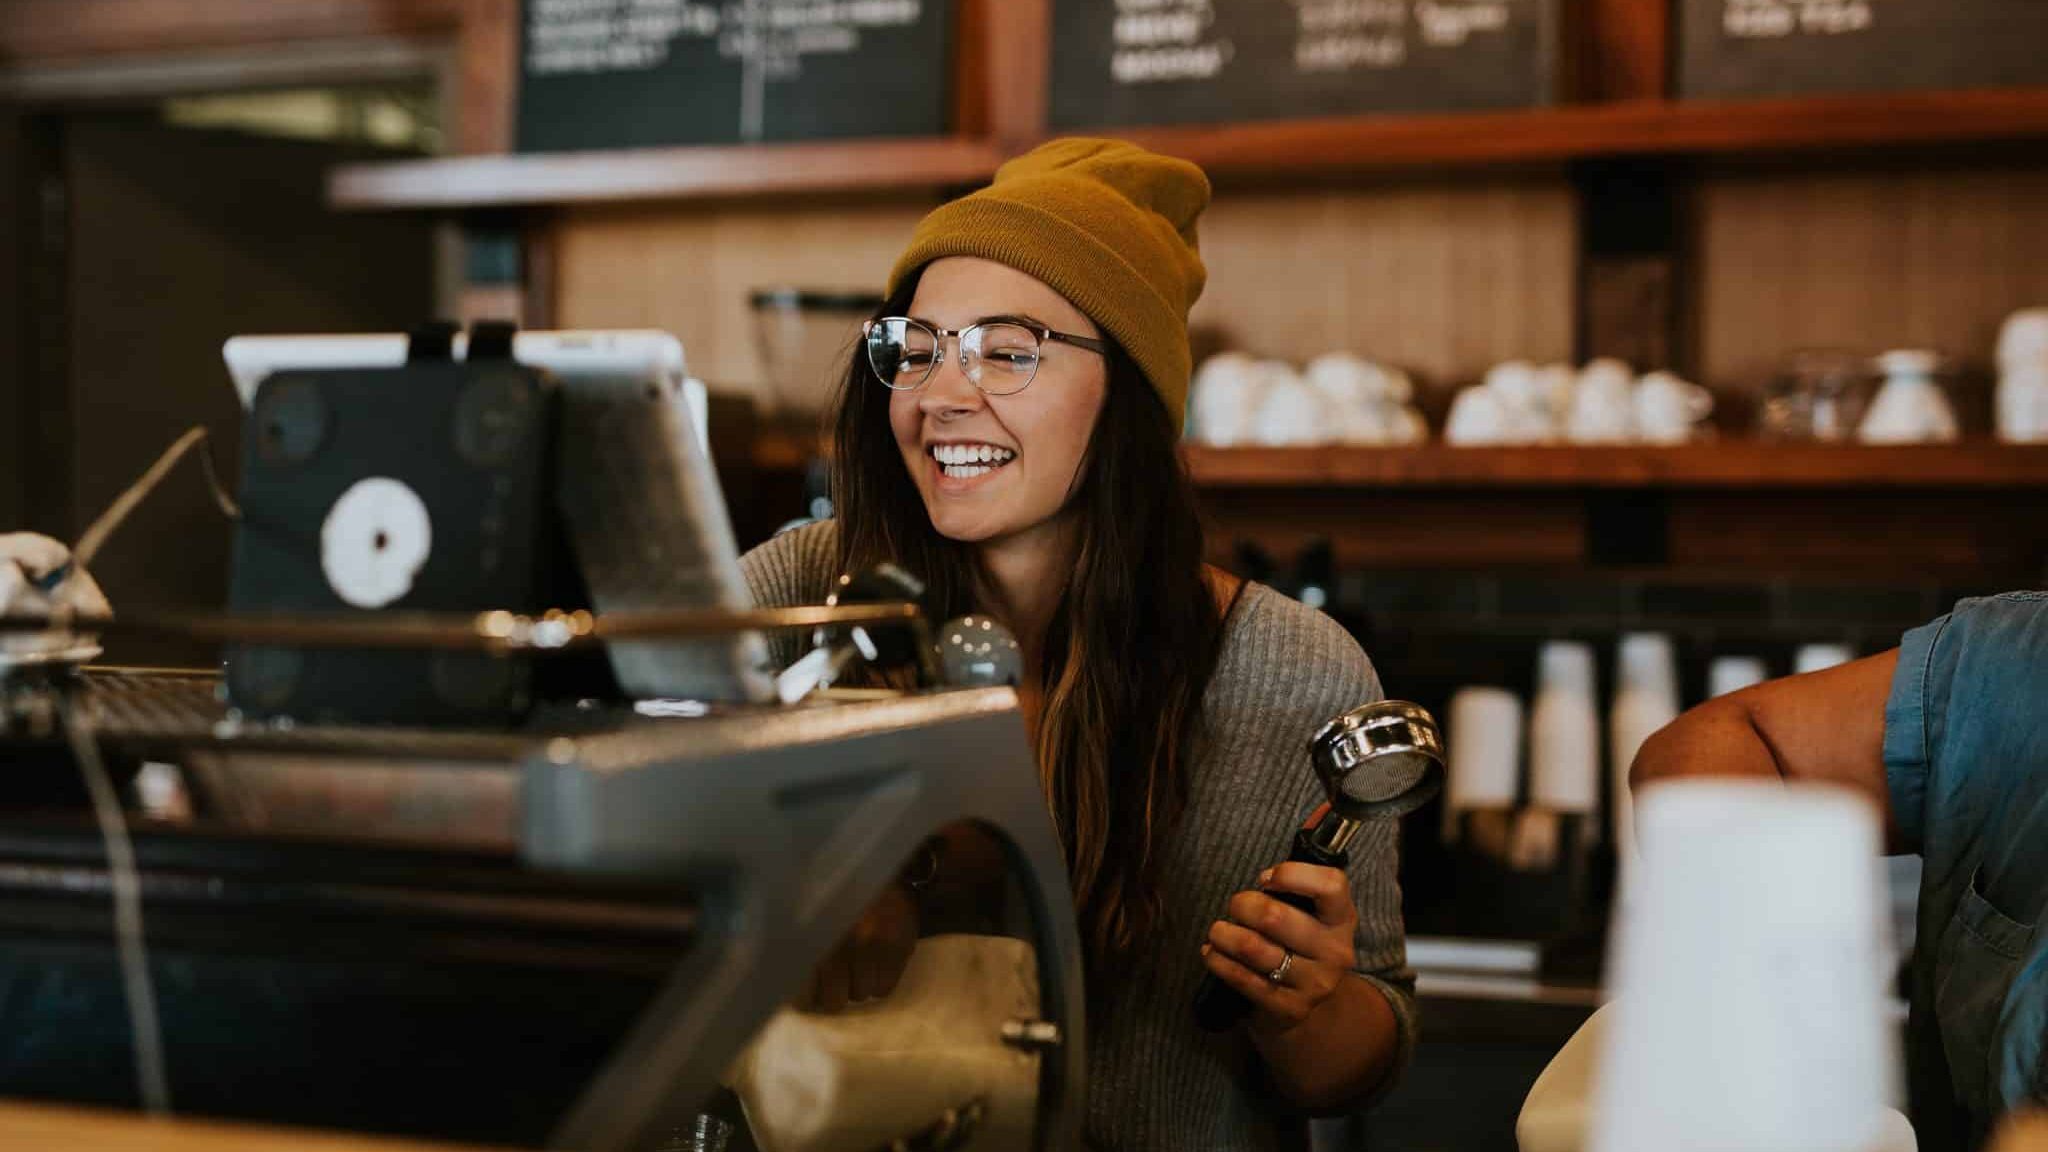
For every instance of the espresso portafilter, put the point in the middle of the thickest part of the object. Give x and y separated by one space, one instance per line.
1378 761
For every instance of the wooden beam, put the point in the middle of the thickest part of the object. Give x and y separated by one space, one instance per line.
487 77
1016 62
1623 49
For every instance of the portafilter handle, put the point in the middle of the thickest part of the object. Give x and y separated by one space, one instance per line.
1377 761
834 649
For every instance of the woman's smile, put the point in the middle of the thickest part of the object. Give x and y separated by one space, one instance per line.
963 465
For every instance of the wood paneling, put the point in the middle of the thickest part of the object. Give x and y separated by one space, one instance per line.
690 271
1444 280
1864 259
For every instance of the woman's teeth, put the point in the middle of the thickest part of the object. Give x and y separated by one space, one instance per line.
965 461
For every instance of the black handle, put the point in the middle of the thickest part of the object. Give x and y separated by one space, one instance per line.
1218 1005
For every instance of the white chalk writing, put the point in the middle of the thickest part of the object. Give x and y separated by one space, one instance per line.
1777 19
591 36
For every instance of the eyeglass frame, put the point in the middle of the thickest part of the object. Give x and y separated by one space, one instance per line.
1043 335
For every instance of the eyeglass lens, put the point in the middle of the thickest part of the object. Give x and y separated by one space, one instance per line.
998 358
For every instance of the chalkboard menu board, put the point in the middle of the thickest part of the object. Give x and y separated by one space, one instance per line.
1131 62
1773 47
643 73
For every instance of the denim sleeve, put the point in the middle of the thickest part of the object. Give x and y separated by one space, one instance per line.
1967 696
1906 751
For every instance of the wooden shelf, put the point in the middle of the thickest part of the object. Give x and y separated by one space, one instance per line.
1636 127
1290 147
663 174
1728 464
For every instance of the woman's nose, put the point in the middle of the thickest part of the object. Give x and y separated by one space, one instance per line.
949 392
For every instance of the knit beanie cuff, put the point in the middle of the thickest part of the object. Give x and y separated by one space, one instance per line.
1102 283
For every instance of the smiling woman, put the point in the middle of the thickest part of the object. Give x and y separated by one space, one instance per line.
1008 432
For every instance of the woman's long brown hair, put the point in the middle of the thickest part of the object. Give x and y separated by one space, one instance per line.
1127 656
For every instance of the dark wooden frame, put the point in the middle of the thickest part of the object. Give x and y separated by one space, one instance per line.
1618 74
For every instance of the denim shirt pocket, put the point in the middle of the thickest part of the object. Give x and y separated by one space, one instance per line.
1979 956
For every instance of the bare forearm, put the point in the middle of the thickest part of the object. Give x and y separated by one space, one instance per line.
1339 1053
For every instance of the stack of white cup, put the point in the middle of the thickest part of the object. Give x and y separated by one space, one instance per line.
2023 377
1645 699
1485 750
1564 755
1734 673
1819 657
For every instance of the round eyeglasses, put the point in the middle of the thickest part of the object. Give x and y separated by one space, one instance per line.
1000 357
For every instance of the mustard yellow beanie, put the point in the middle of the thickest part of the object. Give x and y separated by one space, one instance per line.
1106 224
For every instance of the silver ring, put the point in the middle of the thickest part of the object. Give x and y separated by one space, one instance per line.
1280 973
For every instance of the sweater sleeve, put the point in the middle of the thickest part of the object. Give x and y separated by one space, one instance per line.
1380 942
793 569
1292 670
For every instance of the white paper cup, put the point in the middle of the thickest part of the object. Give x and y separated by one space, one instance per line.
1750 975
1814 657
1734 673
1564 731
1645 699
1484 749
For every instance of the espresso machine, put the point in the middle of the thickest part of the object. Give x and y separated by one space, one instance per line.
469 848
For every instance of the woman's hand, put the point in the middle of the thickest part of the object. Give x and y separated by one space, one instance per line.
1259 932
869 959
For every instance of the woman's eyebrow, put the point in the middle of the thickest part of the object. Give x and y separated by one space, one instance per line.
1023 318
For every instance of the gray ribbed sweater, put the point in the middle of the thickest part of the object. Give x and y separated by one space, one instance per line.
1155 1081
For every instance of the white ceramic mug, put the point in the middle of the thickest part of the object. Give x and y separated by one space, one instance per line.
1290 412
1668 409
1525 402
1225 395
1477 417
2023 340
1603 404
2023 405
1405 425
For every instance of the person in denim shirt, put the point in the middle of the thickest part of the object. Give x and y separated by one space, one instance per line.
1949 734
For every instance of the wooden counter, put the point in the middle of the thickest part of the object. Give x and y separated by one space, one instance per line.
49 1128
